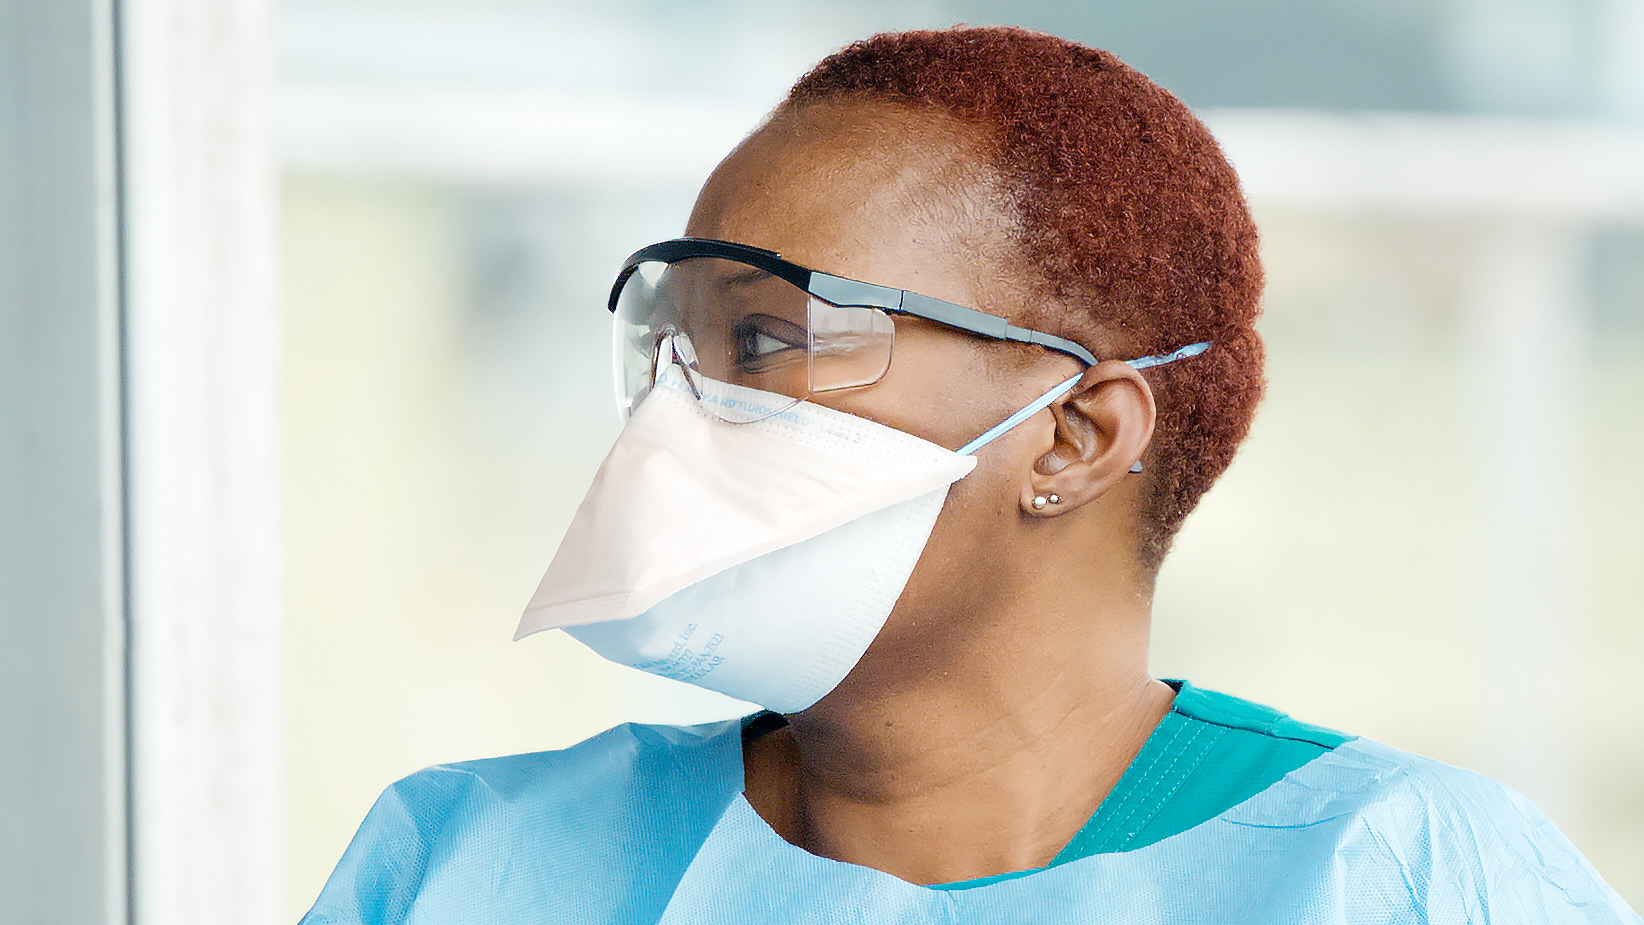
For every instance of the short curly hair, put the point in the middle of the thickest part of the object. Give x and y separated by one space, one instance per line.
1129 212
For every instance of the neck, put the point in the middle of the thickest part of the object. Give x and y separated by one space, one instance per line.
973 758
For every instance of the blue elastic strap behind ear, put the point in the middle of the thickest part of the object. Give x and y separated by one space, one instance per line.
1034 407
1062 388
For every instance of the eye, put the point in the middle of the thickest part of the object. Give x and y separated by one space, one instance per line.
763 342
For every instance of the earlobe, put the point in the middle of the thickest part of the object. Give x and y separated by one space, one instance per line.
1039 501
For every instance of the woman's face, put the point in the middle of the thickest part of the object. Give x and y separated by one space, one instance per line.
896 197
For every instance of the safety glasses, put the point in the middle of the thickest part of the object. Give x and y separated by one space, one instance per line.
754 334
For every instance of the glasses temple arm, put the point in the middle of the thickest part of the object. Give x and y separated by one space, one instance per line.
976 322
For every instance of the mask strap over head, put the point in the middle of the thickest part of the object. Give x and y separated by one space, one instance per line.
1062 388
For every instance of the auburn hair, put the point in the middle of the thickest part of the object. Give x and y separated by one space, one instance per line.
1129 213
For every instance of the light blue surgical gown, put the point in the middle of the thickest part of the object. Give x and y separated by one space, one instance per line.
647 824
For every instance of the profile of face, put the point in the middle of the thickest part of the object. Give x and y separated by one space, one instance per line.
903 198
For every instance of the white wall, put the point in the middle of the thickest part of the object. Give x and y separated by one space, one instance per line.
208 783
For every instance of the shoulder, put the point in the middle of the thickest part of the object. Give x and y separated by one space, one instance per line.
661 758
466 840
1463 846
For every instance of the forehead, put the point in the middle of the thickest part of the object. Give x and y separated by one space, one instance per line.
873 191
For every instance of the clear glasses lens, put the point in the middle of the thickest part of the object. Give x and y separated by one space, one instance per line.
750 344
850 345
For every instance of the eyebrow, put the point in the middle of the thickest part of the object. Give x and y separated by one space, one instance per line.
744 277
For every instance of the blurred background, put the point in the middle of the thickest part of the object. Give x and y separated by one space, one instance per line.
1432 537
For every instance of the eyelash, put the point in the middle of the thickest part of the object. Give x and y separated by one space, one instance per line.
748 334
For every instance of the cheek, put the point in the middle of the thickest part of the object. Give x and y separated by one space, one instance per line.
965 564
940 387
948 408
977 518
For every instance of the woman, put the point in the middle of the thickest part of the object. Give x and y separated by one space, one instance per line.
953 343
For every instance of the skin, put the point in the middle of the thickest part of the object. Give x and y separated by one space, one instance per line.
1009 688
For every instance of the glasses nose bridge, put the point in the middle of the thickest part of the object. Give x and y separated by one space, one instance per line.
679 351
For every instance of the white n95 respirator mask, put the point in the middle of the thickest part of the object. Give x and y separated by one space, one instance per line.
758 560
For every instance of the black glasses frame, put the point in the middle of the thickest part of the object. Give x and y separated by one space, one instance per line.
837 290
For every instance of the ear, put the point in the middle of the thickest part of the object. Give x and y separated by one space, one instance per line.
1102 428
